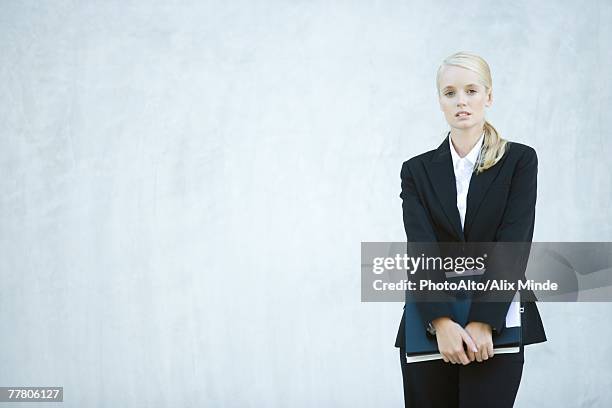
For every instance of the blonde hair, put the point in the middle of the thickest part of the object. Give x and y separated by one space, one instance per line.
494 146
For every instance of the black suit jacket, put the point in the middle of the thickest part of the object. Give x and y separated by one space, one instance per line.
500 208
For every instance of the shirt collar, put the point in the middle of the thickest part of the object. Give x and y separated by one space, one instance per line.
471 156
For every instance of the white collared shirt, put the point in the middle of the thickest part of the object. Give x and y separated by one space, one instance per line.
464 167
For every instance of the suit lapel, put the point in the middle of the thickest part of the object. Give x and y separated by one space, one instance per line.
442 176
479 184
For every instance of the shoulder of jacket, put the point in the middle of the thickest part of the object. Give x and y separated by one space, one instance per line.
520 149
420 158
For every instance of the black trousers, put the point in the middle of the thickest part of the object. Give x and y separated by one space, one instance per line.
490 384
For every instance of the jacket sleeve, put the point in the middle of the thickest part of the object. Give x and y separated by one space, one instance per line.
418 227
516 226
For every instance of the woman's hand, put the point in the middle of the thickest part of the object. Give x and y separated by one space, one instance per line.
481 334
451 336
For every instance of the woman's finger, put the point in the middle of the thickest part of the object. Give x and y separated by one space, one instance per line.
479 355
467 339
484 353
471 355
471 346
464 359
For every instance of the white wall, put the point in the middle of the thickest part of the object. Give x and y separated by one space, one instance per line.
184 187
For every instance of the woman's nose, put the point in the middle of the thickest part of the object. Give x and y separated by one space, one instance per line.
461 99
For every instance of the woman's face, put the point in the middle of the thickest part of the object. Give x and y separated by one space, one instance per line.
460 91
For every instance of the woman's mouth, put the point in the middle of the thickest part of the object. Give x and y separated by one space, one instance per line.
462 114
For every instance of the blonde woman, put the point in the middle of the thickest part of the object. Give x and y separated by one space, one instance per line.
475 187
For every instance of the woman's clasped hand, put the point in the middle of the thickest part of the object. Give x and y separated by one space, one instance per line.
451 337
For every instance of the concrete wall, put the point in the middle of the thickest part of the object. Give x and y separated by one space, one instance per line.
184 187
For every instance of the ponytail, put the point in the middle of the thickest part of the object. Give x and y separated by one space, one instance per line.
493 148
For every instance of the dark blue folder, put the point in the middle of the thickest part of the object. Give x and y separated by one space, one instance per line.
422 346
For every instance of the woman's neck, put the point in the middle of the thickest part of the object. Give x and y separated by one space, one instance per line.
463 140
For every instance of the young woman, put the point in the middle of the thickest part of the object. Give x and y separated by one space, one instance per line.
475 187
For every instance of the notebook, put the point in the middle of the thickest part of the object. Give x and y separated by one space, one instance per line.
421 346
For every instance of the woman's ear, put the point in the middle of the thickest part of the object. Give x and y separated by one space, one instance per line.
489 100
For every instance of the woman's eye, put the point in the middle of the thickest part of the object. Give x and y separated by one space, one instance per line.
449 93
472 90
